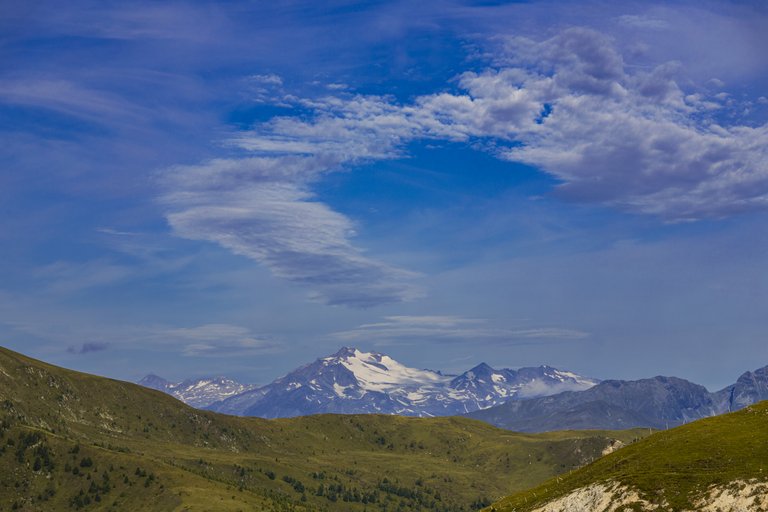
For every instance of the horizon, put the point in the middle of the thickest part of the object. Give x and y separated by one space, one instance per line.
258 384
203 189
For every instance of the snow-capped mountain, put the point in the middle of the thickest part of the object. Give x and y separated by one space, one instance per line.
198 393
351 381
483 387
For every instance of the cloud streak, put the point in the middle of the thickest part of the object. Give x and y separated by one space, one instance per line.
87 348
449 329
261 208
216 340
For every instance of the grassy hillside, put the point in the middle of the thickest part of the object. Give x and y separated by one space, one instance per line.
676 467
71 441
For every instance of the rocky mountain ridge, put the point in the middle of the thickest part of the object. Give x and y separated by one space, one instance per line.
658 402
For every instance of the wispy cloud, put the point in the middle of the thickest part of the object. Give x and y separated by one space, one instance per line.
448 329
261 208
86 348
642 22
70 98
116 232
67 327
267 88
216 340
67 277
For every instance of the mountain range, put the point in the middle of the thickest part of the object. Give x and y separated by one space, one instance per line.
354 382
658 402
533 399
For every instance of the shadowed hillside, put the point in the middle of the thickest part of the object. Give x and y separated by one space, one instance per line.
718 463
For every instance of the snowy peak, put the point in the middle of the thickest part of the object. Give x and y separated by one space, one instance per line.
345 352
378 372
483 369
564 376
480 373
197 392
483 386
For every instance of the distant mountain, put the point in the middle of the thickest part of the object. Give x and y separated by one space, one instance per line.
352 382
198 393
659 402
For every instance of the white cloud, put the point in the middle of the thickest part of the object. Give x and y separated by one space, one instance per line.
267 88
269 79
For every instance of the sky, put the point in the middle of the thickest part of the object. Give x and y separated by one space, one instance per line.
237 188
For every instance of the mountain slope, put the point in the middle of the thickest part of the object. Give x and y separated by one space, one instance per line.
352 381
199 393
659 402
718 463
73 441
751 387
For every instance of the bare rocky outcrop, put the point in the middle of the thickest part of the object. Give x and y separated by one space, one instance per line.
737 496
598 497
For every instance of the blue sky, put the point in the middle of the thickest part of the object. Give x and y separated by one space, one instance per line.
196 188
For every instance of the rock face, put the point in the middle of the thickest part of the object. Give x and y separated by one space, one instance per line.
198 393
660 402
736 496
750 388
599 497
352 381
152 381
